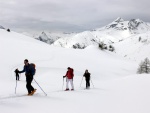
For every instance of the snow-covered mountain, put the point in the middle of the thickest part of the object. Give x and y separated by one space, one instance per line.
114 32
51 37
43 37
1 27
76 41
134 26
130 38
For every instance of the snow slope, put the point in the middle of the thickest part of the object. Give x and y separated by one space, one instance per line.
76 40
135 47
116 87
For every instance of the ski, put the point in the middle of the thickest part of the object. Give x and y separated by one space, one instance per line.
18 96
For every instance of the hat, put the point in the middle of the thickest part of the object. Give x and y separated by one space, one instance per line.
68 68
26 60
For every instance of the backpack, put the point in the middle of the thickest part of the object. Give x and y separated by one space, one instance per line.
72 71
32 67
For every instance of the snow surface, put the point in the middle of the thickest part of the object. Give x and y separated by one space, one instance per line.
135 47
117 89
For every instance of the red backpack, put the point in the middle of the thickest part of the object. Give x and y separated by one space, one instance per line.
72 72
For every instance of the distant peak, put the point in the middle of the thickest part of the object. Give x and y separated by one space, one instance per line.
119 19
43 32
1 27
115 23
136 20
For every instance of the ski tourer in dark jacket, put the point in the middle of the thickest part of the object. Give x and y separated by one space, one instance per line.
29 72
87 78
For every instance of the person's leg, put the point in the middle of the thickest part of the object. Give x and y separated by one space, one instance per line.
88 83
29 86
18 76
67 81
33 90
71 82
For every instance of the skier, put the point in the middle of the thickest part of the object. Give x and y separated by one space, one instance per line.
87 79
17 74
69 78
29 72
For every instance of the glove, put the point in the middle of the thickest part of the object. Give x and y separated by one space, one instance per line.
16 70
64 76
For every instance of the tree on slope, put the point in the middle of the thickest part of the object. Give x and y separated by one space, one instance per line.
102 46
144 66
8 30
111 48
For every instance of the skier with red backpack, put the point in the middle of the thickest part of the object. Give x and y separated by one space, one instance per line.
29 70
69 78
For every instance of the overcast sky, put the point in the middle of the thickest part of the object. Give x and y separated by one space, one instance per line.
68 15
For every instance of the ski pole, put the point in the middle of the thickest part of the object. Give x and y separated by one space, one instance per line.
40 87
81 81
92 83
63 84
19 76
16 87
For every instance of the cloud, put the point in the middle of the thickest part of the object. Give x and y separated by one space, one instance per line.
68 15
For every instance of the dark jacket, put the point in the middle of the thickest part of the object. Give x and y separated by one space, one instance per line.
87 75
28 69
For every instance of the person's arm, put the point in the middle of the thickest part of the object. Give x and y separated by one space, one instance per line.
65 75
22 70
84 75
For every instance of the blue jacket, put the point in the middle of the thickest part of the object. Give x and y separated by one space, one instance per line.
28 69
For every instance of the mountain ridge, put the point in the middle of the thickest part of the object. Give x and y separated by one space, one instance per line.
116 31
